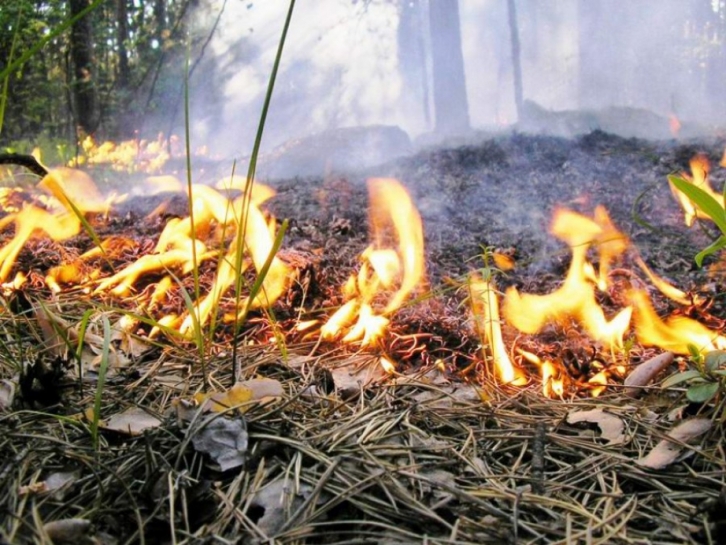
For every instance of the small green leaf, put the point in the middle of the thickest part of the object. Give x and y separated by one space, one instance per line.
719 372
715 359
701 393
702 200
695 353
678 378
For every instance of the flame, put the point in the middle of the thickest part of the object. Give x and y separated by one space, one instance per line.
676 333
553 380
73 194
700 169
485 308
181 247
393 261
576 297
128 156
674 124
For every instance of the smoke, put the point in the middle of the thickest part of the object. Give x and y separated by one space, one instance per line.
356 63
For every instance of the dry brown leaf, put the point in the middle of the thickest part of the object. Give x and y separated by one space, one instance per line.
644 373
351 380
667 451
240 395
224 439
133 421
68 530
611 427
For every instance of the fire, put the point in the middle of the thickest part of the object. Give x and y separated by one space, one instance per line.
676 333
575 299
674 124
700 169
393 262
485 308
71 194
128 156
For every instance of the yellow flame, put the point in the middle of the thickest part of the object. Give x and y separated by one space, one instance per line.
574 299
700 169
674 334
485 308
393 261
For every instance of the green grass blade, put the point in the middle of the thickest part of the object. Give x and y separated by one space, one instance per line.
712 248
242 227
102 370
262 273
79 349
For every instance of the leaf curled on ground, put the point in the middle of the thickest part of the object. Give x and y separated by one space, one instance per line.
133 421
68 530
277 501
645 372
240 395
224 439
611 427
667 451
7 394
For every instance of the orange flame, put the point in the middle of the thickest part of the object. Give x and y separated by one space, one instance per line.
576 297
676 333
72 194
393 261
700 169
485 308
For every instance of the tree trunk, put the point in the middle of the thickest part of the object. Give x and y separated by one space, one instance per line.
122 36
412 60
516 56
84 89
449 83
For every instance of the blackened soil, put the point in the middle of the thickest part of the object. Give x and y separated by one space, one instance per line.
502 192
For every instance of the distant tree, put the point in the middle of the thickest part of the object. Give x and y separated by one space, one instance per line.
412 56
451 108
85 99
516 56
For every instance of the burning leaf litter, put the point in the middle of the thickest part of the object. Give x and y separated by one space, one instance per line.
497 462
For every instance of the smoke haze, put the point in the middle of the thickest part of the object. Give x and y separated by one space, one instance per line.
352 63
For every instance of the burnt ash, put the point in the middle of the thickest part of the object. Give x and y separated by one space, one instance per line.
502 192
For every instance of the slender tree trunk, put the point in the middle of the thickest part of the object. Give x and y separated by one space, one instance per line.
516 56
85 99
122 36
412 59
449 83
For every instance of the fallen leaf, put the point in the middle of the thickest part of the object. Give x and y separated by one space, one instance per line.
175 382
645 372
7 394
133 421
224 439
57 483
68 530
667 451
351 380
241 394
277 501
611 427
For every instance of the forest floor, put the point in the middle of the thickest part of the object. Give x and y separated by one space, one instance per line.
436 452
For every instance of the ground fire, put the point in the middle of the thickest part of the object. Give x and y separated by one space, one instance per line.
229 229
